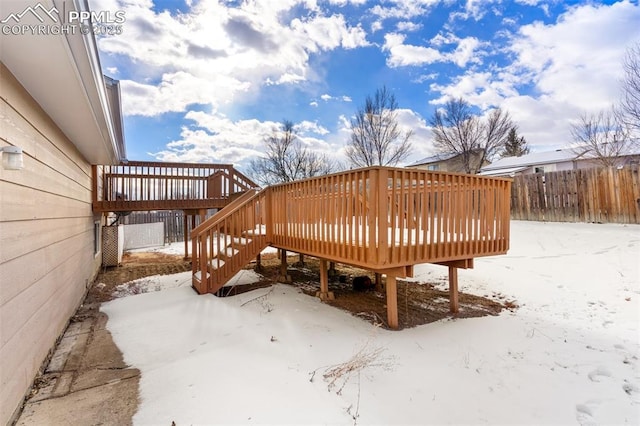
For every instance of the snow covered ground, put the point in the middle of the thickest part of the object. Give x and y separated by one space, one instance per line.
568 355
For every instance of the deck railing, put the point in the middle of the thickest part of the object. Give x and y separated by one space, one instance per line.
379 218
384 217
138 184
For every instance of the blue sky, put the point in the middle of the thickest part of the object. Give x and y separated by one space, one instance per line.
207 81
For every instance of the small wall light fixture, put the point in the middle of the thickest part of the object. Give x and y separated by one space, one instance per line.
11 158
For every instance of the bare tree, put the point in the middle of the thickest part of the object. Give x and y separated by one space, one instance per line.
287 160
376 138
495 134
602 136
457 130
515 146
630 103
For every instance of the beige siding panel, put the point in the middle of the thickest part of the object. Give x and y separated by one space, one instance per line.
16 237
46 239
22 356
62 268
25 271
40 177
16 98
22 203
16 130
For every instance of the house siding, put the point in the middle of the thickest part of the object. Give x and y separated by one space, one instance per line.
47 257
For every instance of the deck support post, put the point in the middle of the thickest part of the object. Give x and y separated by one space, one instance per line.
284 276
185 220
332 269
454 306
258 262
324 293
379 286
392 302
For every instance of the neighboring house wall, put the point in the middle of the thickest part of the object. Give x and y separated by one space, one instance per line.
47 239
546 168
453 165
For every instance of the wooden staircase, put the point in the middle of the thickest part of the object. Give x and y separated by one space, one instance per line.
226 242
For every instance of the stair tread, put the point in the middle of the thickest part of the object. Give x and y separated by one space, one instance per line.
230 251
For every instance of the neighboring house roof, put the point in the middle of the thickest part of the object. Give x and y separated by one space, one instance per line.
433 159
511 165
502 172
533 159
63 74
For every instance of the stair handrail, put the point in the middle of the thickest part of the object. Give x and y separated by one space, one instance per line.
200 257
227 211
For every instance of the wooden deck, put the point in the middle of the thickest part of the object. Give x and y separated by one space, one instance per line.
383 219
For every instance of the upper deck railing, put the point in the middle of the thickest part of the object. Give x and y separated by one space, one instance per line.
140 185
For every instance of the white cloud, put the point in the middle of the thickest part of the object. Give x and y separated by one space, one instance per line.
478 88
408 55
408 26
472 9
176 92
422 139
465 51
305 127
404 55
578 59
220 51
403 9
215 138
327 32
571 66
327 97
346 2
376 26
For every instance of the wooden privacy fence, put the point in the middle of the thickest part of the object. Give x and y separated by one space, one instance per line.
603 195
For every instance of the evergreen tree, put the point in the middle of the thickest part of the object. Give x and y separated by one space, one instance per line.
516 146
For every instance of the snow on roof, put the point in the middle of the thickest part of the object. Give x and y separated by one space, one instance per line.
433 159
502 172
546 157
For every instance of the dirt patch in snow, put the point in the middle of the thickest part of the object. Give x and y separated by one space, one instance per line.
134 266
418 303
